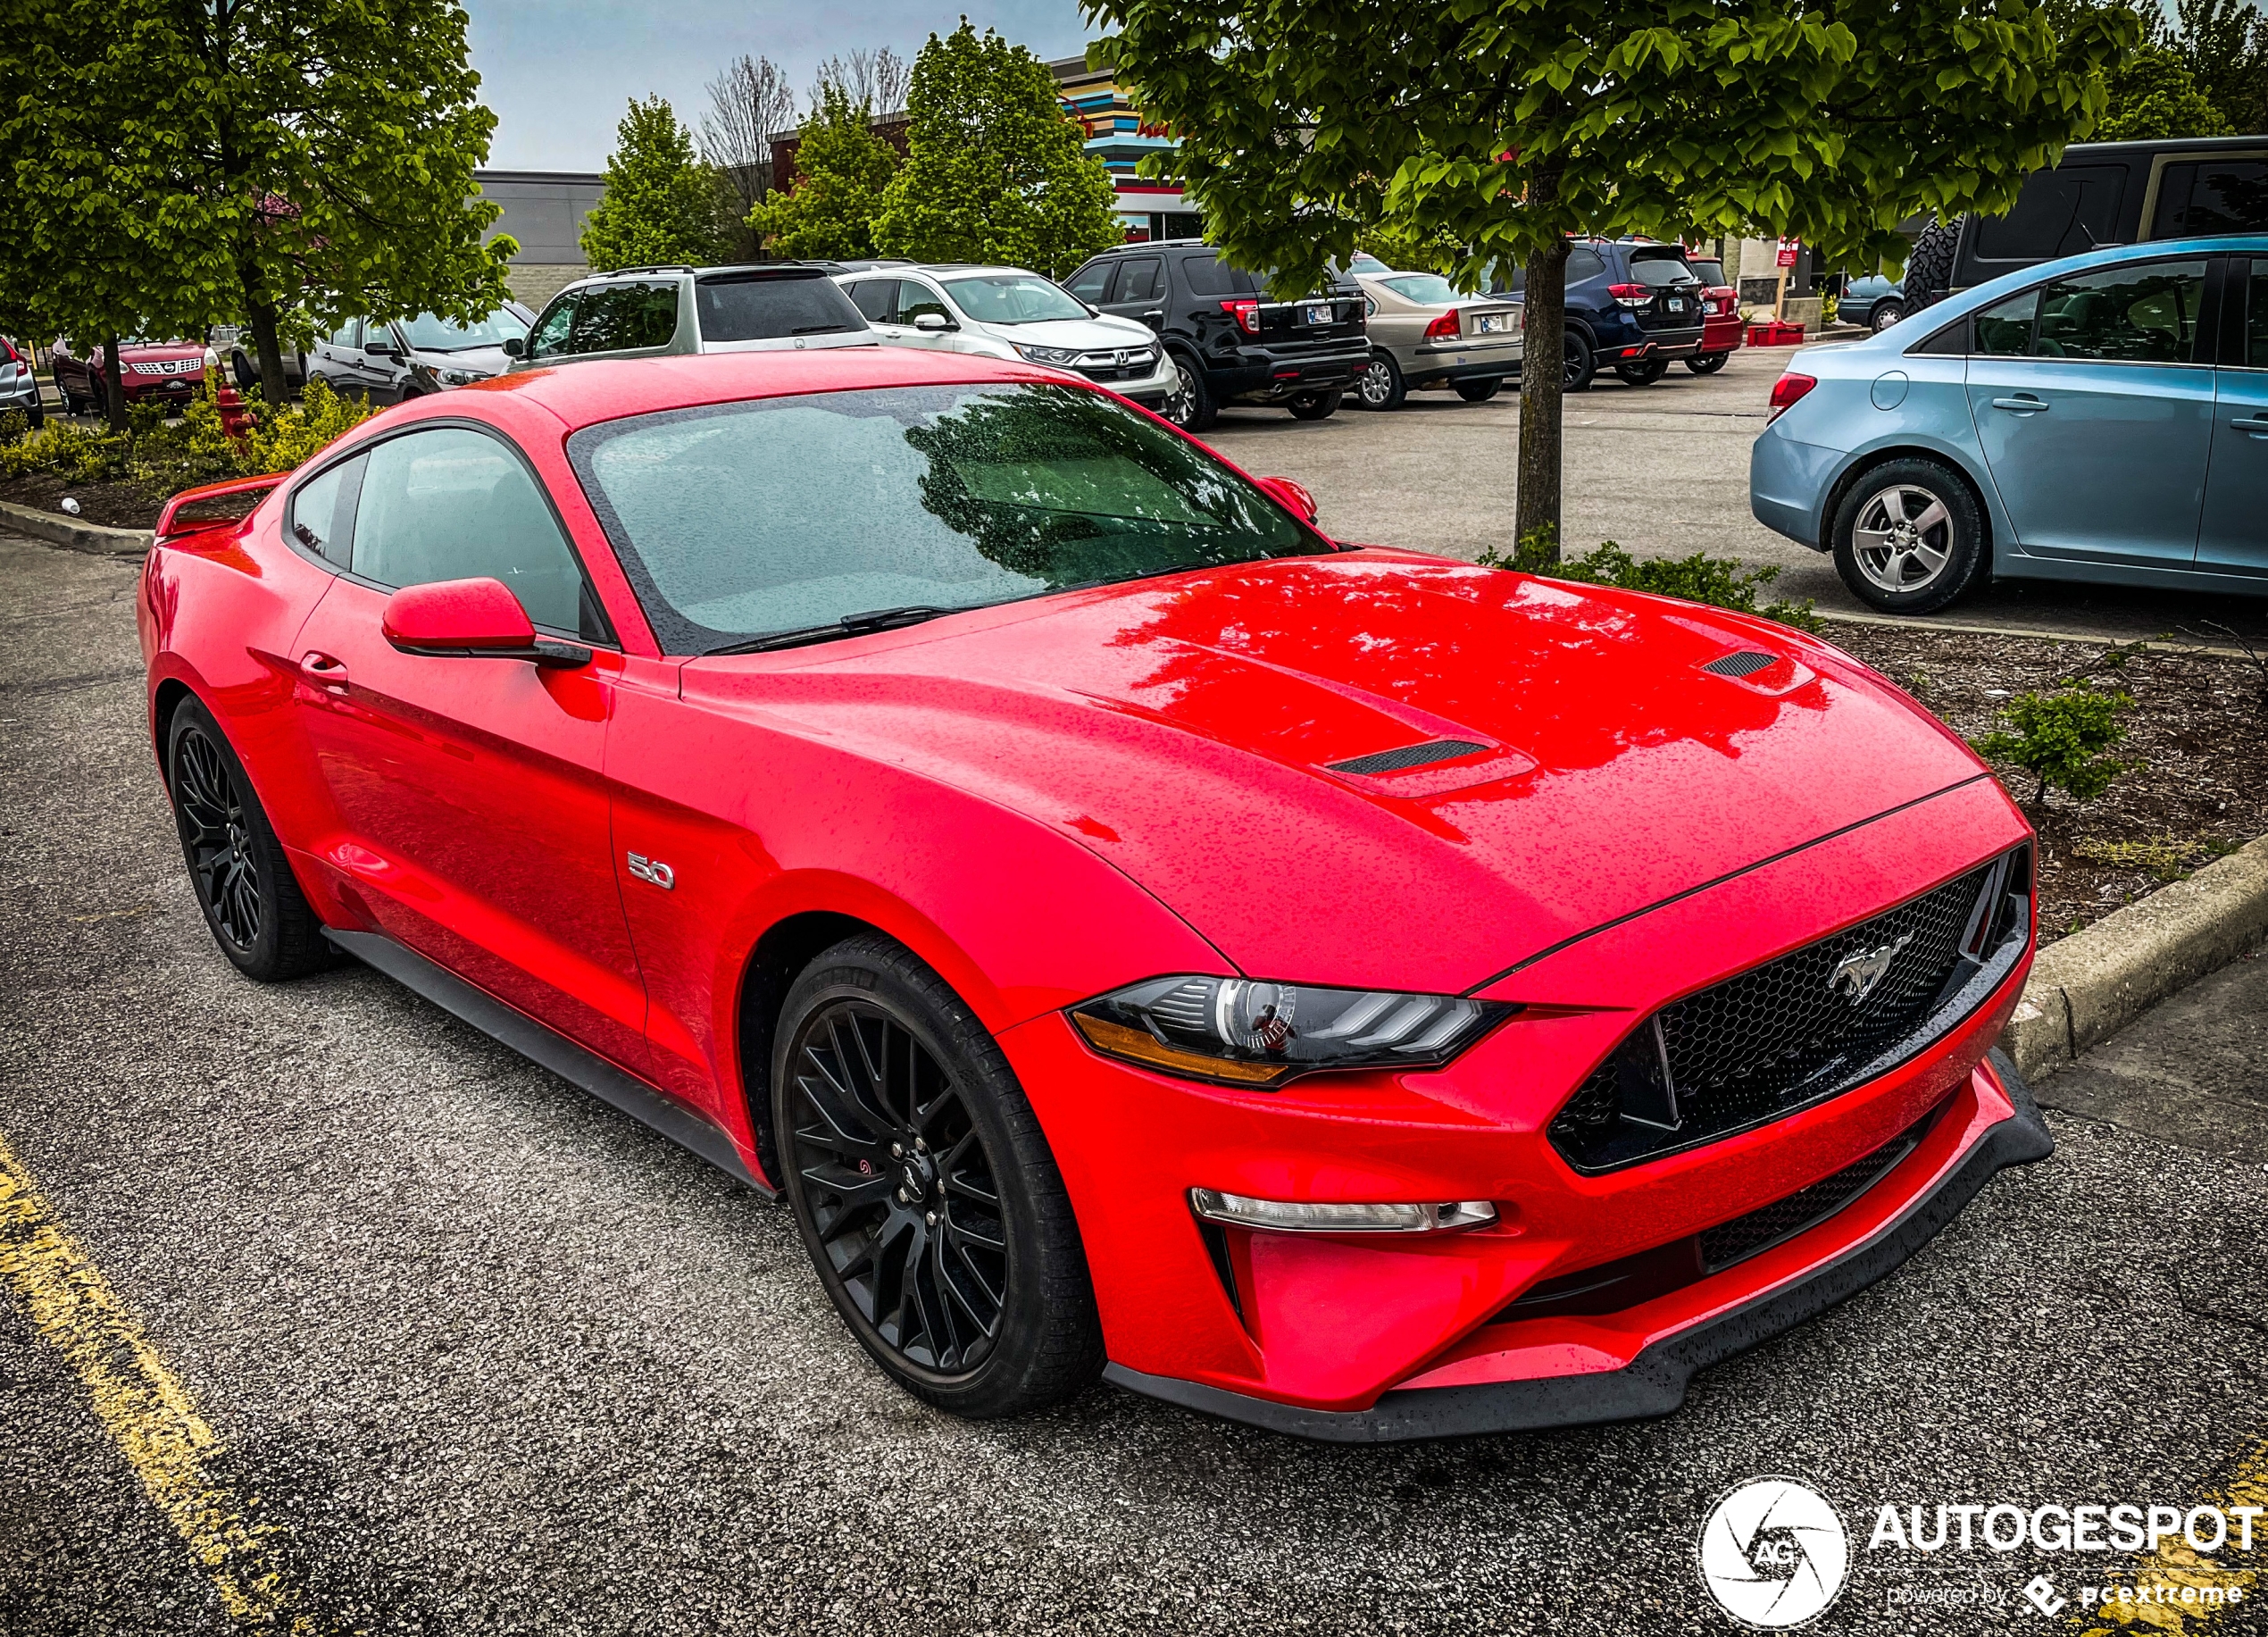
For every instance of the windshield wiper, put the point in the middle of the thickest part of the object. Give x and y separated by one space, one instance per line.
817 329
849 625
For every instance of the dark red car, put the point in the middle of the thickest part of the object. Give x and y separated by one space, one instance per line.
1342 988
171 371
1720 328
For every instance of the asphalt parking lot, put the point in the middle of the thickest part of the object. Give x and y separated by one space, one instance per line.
481 1355
1662 470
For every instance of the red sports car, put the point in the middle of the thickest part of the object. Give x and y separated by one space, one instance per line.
1340 989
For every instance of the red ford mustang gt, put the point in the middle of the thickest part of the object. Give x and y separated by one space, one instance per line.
1340 989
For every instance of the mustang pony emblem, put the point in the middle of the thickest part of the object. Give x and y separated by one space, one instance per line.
1855 975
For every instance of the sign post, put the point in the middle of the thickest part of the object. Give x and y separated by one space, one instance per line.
1790 250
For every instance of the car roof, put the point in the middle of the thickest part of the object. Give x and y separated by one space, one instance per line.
588 391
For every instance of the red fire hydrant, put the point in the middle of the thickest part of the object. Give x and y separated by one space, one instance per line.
236 420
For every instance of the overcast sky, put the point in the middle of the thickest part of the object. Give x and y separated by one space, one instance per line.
558 73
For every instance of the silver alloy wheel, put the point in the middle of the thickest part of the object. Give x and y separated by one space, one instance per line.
1885 314
1179 404
1376 384
1902 538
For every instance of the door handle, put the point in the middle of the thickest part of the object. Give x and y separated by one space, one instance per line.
2258 425
325 672
2026 404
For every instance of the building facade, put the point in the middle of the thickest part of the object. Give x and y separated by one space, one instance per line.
544 211
1117 136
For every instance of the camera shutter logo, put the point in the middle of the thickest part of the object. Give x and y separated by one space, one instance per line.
1774 1554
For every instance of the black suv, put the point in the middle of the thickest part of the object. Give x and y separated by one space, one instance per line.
1228 340
1633 305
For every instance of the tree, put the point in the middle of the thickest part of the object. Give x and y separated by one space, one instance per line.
660 201
2225 42
842 171
317 155
874 80
1510 124
995 170
2154 94
747 104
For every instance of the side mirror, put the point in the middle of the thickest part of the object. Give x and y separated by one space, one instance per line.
380 349
514 347
931 321
1293 497
474 618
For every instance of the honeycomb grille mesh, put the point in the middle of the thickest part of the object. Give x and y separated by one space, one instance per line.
1408 756
1760 1229
1746 664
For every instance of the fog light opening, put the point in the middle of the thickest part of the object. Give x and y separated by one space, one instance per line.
1291 1217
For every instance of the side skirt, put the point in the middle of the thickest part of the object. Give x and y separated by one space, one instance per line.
544 1044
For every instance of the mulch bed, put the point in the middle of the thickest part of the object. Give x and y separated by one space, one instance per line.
2197 735
120 502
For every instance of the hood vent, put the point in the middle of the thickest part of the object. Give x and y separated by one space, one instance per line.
1408 756
1738 666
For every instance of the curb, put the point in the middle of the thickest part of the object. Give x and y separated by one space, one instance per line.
2088 987
2159 644
57 530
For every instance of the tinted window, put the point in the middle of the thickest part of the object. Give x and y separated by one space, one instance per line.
913 300
2059 212
2006 329
2144 313
761 308
453 503
613 318
323 512
1089 281
1708 272
1583 263
1661 267
1144 279
2256 317
1209 275
780 513
551 330
876 300
2221 196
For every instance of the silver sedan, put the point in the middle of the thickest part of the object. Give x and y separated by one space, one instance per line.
1424 334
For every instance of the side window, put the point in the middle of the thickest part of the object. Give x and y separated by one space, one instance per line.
2256 316
615 318
549 336
915 299
453 504
2144 313
347 335
876 300
323 511
1144 279
2007 330
2221 196
1089 281
1583 262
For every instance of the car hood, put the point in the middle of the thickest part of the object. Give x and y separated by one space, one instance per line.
1087 334
473 360
1186 729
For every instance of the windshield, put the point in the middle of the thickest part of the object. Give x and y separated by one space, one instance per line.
1013 298
1709 272
428 334
1427 289
736 521
1660 267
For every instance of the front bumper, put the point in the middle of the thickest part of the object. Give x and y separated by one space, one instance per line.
1654 1383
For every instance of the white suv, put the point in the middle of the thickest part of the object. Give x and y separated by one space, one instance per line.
1012 314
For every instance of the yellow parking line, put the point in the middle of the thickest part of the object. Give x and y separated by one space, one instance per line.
2177 1565
143 1407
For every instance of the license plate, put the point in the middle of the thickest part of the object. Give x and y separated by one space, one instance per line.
1677 304
1316 312
1495 324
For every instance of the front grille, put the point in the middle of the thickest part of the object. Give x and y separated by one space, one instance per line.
1105 366
1408 756
1797 1030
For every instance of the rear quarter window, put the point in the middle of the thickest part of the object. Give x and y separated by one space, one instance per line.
1209 275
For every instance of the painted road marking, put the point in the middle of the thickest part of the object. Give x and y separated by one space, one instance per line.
2177 1565
144 1408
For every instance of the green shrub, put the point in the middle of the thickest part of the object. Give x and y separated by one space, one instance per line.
2059 738
1718 582
282 439
68 452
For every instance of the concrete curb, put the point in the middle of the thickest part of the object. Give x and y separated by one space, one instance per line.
57 530
2089 986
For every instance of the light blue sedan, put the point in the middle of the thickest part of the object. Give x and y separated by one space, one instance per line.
2100 417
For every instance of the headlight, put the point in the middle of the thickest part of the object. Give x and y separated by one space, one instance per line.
1245 1033
1056 355
461 377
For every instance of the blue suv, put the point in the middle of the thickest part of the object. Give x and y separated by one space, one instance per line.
1634 305
2100 417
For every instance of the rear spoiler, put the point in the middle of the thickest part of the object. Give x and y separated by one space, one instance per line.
172 523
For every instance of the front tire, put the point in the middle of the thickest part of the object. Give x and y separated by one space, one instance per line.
252 902
924 1189
1578 366
1381 386
1885 314
1479 391
1313 405
1645 372
1909 538
1707 363
1190 406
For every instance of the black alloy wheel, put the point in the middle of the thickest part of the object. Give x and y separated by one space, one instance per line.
1643 373
244 883
1706 363
1479 391
1313 405
924 1190
1578 365
1381 386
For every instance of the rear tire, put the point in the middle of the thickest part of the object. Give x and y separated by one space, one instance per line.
252 902
1928 271
924 1189
1479 391
1313 405
1579 367
1380 385
1643 373
1190 406
1885 314
1909 538
1707 363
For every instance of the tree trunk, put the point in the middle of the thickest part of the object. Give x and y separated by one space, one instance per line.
1543 356
274 388
114 382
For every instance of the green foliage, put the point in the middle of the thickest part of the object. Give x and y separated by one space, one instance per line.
1718 582
661 200
1407 250
994 170
2060 737
282 439
842 169
2224 45
66 451
2154 94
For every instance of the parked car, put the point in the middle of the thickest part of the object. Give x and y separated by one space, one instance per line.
1874 301
1139 935
1633 306
652 312
19 383
1012 314
1425 334
2100 417
2099 194
407 358
1722 330
244 363
1231 341
167 372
